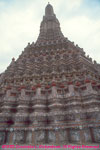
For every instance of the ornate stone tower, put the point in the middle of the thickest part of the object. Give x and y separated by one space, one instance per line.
51 93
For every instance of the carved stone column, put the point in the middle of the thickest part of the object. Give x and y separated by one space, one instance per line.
68 135
57 137
54 91
71 89
33 138
46 137
92 135
2 137
38 92
11 137
82 138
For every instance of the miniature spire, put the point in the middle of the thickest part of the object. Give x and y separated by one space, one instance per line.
49 10
13 59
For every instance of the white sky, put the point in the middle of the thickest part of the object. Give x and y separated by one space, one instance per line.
20 23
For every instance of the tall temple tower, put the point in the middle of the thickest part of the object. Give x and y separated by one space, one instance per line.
51 93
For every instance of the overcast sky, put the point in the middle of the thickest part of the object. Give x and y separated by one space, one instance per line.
20 23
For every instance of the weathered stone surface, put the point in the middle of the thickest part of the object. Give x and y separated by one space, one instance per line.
51 93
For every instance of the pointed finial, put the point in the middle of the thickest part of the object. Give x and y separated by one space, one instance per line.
13 59
49 10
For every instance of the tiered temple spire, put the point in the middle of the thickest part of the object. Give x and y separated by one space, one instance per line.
50 27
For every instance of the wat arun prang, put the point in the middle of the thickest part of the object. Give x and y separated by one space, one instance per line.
51 93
